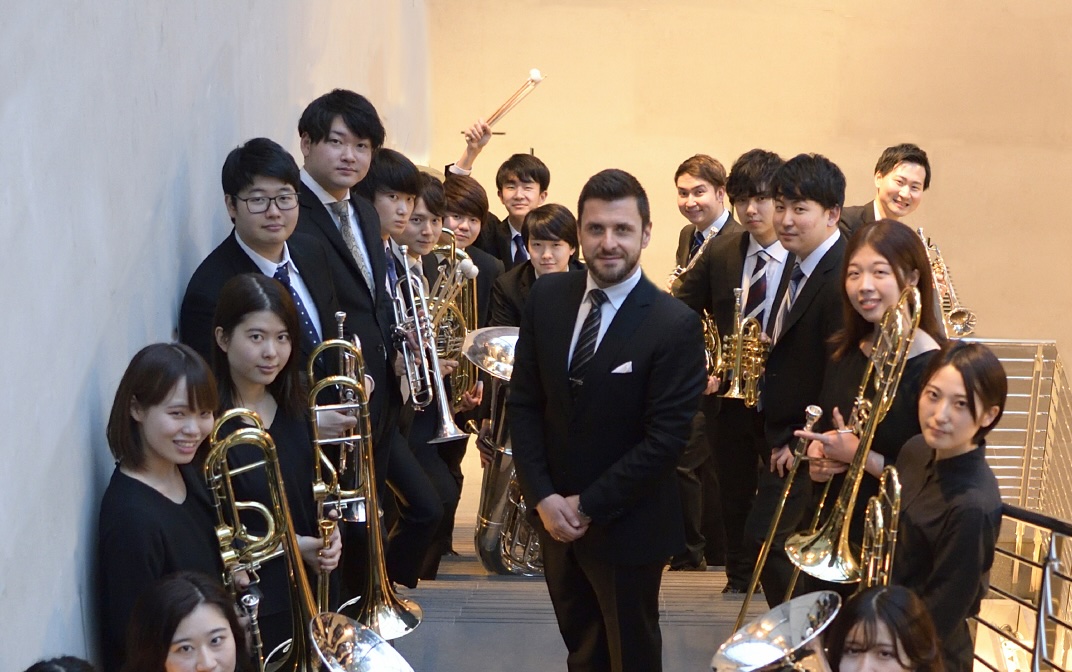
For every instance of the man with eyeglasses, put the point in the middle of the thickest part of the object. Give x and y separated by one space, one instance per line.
261 182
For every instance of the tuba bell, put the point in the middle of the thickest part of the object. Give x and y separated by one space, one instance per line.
827 553
505 541
744 354
243 551
413 319
788 637
957 320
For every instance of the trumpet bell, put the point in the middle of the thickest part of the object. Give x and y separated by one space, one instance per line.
491 349
344 645
787 636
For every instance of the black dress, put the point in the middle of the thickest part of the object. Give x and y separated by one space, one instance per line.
143 537
901 423
950 520
294 447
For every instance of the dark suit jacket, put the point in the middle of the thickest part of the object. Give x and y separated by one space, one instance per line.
797 361
616 439
491 269
369 317
227 261
509 295
495 239
855 216
684 238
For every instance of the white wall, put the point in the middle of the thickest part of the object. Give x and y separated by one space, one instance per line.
115 119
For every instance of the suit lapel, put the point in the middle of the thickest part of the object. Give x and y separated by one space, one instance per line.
620 331
238 257
370 233
819 277
561 332
318 214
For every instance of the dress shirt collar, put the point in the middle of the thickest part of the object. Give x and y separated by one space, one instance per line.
267 266
808 263
774 250
314 186
716 225
878 212
616 294
414 263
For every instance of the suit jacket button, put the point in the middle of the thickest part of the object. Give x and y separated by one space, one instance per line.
382 350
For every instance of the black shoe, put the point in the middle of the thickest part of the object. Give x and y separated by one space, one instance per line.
690 567
731 589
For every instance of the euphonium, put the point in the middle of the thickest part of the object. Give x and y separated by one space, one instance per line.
380 609
413 318
958 320
744 354
505 541
788 637
244 551
453 303
827 553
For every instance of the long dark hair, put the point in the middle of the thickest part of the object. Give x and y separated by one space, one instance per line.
151 375
902 613
252 293
159 611
904 250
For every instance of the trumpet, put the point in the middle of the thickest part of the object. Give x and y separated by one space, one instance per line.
413 317
242 550
747 356
827 554
453 304
958 320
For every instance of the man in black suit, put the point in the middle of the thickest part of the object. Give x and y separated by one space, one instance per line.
607 376
522 183
701 198
340 132
809 191
902 174
753 263
260 186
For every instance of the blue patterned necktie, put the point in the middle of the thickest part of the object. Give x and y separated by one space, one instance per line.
308 336
520 255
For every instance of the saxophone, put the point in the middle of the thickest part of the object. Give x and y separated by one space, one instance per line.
958 320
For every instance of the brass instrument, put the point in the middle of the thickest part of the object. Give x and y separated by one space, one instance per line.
958 320
827 553
744 354
388 615
345 645
413 318
788 637
712 344
811 416
242 550
453 302
880 530
505 541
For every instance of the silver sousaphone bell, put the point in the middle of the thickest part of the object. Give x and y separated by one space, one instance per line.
491 349
785 638
344 645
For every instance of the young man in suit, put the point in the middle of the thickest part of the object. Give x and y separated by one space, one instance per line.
701 196
902 174
809 191
464 213
340 132
522 183
607 376
753 263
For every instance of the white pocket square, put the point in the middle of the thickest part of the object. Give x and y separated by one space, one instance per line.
624 368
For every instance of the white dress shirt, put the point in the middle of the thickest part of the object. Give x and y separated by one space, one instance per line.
268 267
327 199
616 295
776 256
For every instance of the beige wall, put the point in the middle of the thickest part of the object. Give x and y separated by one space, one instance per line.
983 87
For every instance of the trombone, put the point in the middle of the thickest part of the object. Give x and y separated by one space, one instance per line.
413 318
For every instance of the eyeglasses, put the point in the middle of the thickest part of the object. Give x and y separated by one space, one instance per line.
258 204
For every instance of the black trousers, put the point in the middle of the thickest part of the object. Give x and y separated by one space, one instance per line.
701 502
736 438
608 613
778 571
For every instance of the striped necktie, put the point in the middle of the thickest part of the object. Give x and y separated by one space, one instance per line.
757 288
586 342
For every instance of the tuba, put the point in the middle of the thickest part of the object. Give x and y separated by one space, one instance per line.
414 318
958 320
788 637
744 354
453 304
244 551
826 553
505 541
345 645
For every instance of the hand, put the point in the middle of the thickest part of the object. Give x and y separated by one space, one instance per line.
472 398
400 365
781 460
816 458
713 383
333 424
319 557
241 579
560 518
477 136
483 439
447 366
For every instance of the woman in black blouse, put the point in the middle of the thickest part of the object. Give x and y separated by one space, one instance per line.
254 323
950 503
881 259
156 517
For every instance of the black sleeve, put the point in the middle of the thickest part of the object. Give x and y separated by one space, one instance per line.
693 287
195 321
503 312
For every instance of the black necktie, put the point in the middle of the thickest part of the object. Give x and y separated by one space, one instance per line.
586 341
392 275
520 254
308 336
